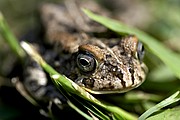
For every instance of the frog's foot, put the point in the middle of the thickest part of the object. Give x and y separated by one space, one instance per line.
54 100
36 87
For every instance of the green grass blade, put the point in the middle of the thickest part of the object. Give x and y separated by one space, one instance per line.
79 111
79 102
92 109
171 59
98 113
172 99
10 38
169 114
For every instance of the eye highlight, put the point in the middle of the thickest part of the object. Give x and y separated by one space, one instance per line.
140 51
86 62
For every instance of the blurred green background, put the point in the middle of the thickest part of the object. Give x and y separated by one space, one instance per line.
159 18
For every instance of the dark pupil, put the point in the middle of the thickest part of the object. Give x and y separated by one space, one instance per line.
84 62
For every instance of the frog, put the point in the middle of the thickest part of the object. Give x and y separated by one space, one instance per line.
86 52
102 65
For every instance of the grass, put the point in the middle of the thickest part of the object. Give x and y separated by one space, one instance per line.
96 107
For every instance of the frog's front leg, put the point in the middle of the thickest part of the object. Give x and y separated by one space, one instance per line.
37 88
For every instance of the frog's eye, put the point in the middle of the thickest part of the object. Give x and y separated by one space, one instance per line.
140 51
86 62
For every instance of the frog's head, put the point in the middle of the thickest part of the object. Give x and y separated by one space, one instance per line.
111 68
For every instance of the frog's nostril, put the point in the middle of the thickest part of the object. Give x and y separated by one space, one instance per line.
117 72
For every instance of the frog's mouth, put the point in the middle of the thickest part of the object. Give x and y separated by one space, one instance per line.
107 91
